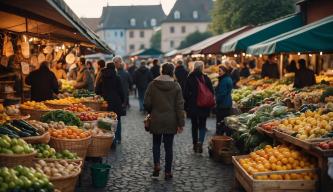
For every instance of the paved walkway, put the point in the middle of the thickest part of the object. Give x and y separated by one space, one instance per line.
132 163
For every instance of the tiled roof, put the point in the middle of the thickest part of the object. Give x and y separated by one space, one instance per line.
91 22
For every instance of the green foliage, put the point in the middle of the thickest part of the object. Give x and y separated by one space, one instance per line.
155 41
194 38
230 14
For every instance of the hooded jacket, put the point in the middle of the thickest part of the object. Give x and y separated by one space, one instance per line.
164 101
142 76
110 88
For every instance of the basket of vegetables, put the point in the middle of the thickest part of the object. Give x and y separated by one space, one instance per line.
71 138
62 174
101 142
15 152
66 117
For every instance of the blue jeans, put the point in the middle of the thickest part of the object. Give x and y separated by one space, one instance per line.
168 144
141 93
198 124
118 131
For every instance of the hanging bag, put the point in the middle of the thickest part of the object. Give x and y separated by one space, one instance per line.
205 96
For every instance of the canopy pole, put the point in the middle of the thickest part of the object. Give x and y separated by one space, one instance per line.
281 65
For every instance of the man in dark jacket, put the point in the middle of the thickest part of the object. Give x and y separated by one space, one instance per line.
270 69
304 77
155 70
131 70
109 86
181 73
126 81
142 77
43 83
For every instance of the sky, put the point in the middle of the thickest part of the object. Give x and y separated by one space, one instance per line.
93 8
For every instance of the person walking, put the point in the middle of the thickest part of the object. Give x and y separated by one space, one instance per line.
142 77
235 73
84 79
43 83
223 100
155 69
164 102
131 70
125 78
245 71
197 114
100 66
304 77
181 73
109 86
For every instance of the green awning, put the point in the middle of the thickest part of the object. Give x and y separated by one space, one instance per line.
314 37
261 33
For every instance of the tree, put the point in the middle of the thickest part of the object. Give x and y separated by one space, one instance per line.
230 14
155 41
194 38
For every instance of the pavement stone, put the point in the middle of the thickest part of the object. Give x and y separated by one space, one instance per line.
131 163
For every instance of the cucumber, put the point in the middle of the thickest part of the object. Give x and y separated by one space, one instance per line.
5 131
25 125
19 132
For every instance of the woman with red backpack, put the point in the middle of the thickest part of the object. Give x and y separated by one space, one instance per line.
199 99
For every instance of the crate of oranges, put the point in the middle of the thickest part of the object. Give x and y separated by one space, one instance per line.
279 168
71 138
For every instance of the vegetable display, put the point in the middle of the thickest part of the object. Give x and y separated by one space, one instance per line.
23 179
45 151
57 169
59 115
14 146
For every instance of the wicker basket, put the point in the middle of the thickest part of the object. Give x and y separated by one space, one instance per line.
77 161
13 160
78 146
66 184
93 104
34 114
57 106
100 146
45 138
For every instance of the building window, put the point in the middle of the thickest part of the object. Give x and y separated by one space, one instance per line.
153 22
172 29
132 22
176 15
131 34
195 15
121 34
132 47
142 46
142 34
115 33
183 29
172 44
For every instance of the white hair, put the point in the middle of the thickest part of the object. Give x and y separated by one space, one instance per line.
199 65
117 58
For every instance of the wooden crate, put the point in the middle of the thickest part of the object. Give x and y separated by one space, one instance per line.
253 185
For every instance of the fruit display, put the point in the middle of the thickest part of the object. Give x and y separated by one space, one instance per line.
93 116
326 145
308 125
78 107
279 158
19 128
2 108
323 78
47 152
255 98
34 106
57 169
64 101
238 94
64 95
12 110
46 126
14 146
70 132
60 115
4 117
95 132
78 93
67 86
270 125
23 179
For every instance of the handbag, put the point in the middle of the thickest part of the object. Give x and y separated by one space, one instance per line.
147 122
205 96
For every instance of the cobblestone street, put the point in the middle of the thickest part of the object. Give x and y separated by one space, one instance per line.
132 163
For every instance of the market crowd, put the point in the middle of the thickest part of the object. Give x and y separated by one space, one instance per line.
169 93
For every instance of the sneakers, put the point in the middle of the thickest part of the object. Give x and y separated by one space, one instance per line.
168 176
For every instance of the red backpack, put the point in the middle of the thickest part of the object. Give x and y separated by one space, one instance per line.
205 97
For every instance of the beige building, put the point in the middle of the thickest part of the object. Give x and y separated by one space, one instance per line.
186 17
138 39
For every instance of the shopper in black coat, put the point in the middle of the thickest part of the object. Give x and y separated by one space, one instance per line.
43 83
197 114
110 88
142 77
155 69
181 73
304 77
270 69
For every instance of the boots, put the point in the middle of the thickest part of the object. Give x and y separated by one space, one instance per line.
156 172
199 148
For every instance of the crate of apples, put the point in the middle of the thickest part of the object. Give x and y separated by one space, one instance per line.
88 116
78 107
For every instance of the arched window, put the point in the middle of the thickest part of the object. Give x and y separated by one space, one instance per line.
153 22
132 22
176 14
195 15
